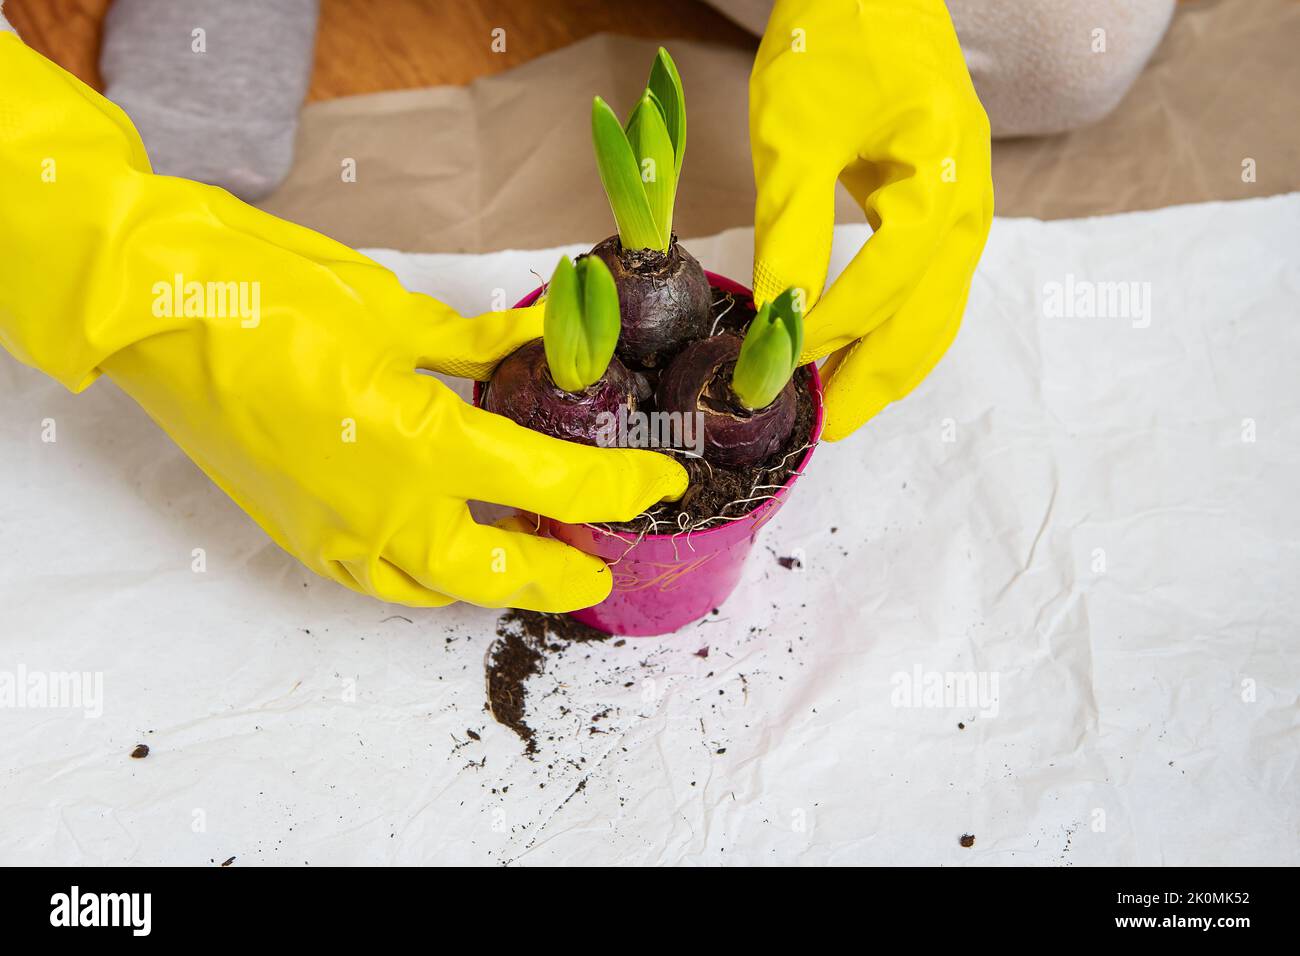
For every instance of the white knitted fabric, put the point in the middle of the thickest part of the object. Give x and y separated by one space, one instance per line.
1040 66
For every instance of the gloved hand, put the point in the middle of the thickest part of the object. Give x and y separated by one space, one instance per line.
874 93
287 371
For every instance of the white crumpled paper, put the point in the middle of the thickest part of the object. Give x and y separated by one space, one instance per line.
1090 524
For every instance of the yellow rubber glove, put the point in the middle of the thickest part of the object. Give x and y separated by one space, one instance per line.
874 93
298 394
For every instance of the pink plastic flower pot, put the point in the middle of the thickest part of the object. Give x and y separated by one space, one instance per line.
664 582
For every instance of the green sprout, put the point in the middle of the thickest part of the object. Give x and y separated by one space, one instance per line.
641 162
581 323
770 353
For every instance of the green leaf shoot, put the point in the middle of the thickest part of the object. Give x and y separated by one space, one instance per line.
666 84
620 174
648 137
770 352
581 322
640 163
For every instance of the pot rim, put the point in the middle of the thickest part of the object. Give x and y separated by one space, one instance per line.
778 496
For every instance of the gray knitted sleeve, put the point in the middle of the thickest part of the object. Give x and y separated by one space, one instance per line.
213 86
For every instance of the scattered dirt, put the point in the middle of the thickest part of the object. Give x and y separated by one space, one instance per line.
546 628
228 862
789 563
512 660
140 752
523 640
967 840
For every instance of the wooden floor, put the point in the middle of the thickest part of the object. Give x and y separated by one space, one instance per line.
364 46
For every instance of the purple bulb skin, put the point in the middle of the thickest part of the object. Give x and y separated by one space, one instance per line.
523 391
663 299
699 380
